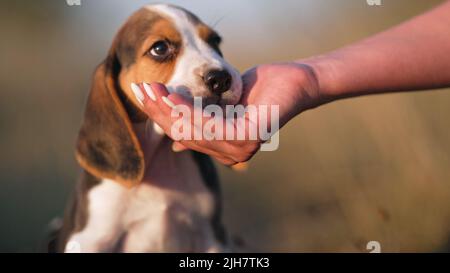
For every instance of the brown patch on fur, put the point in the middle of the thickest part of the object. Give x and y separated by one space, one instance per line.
204 31
140 35
107 146
209 36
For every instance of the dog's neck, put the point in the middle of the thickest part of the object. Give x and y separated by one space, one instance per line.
163 167
149 140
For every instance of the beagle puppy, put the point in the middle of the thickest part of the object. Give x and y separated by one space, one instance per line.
135 194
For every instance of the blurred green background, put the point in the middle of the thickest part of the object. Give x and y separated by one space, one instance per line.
372 168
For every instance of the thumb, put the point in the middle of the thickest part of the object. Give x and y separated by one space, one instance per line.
178 147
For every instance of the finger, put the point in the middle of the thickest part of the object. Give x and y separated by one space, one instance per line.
165 106
153 103
225 161
200 147
159 104
169 102
178 147
156 92
161 94
240 167
145 97
158 89
165 118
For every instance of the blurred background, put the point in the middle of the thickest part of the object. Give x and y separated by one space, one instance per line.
366 169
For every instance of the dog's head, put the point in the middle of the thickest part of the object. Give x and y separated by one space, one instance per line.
158 43
167 44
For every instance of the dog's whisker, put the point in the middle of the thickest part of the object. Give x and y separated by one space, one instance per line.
216 23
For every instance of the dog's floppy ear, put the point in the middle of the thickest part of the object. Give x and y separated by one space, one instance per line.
107 146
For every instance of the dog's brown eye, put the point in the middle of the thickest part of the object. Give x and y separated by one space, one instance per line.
160 50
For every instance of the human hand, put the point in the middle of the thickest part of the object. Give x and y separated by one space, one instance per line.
293 87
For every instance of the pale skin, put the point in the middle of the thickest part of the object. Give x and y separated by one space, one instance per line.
412 56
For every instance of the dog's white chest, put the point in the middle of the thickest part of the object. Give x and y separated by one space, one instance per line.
166 220
170 211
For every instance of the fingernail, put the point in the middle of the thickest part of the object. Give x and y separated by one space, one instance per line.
240 167
149 91
158 129
138 93
177 148
168 102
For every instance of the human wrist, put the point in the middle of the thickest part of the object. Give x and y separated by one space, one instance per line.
324 72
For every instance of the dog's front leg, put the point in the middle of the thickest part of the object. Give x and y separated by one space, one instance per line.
106 203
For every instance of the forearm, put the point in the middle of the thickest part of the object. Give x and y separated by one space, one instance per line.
412 56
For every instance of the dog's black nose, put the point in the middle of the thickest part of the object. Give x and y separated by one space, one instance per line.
218 81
